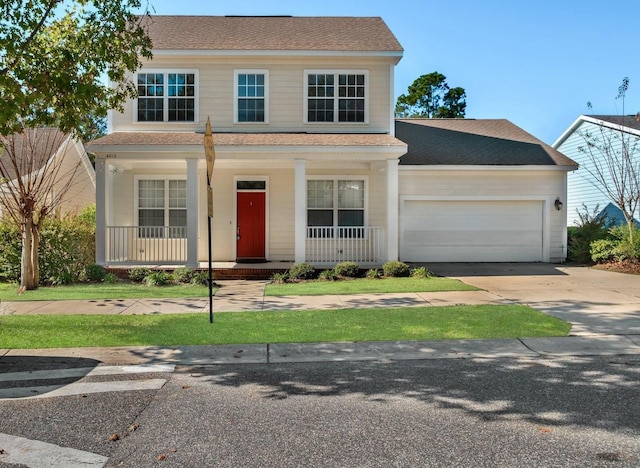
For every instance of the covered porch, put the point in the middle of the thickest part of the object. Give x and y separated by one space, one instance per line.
151 199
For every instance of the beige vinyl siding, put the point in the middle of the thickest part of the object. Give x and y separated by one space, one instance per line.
494 185
286 94
82 190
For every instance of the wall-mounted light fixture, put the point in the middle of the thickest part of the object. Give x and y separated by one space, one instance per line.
557 204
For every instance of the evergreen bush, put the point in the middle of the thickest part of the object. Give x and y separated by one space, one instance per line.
348 269
302 271
395 269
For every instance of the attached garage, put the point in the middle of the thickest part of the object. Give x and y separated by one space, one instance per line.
479 191
471 231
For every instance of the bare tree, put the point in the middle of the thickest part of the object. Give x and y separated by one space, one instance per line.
614 156
38 169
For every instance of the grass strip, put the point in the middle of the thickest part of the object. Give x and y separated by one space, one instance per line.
415 323
367 286
123 290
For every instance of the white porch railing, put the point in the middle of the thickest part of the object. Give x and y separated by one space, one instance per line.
146 245
339 244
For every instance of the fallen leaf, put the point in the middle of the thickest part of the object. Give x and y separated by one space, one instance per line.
161 457
3 452
173 450
114 437
133 427
186 386
545 429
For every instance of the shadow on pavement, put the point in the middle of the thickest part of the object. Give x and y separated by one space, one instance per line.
45 372
491 269
585 391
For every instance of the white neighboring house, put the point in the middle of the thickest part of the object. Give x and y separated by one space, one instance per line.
308 163
45 148
582 188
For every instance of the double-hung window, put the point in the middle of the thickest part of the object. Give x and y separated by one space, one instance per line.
336 96
167 96
251 96
335 205
162 208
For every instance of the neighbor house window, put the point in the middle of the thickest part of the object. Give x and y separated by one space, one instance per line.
335 204
251 90
336 97
167 96
162 208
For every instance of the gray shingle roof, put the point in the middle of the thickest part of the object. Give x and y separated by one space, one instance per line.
631 121
271 33
487 142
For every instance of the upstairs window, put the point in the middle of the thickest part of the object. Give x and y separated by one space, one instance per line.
336 97
167 96
251 89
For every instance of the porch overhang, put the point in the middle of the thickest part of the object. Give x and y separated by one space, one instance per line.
249 146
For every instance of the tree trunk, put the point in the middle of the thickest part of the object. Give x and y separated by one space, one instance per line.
28 271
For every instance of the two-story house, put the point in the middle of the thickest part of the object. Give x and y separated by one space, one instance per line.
308 166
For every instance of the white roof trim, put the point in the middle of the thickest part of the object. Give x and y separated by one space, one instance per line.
585 118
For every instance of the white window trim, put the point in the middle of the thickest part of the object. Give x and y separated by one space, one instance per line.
243 71
165 106
136 190
336 208
305 97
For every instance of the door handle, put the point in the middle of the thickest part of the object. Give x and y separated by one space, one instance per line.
238 233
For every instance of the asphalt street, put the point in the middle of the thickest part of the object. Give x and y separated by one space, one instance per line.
526 411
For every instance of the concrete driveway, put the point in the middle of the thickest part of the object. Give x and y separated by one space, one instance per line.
595 301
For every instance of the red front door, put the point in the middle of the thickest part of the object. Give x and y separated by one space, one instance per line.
251 226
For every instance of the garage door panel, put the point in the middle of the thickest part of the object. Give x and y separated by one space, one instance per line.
472 231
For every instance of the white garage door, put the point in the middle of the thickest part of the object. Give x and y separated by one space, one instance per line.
471 231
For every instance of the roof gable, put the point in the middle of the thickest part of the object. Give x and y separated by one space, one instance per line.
32 150
471 142
271 33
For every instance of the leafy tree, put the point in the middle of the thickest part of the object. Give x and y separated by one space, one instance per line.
54 56
430 96
613 156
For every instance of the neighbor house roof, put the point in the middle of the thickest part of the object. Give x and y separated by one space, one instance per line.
248 139
626 123
271 33
31 150
486 142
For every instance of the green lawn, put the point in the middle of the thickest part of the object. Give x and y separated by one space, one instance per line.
123 290
364 286
415 323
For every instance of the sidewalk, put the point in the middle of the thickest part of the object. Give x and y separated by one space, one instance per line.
249 296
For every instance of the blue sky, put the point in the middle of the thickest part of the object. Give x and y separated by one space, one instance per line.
535 63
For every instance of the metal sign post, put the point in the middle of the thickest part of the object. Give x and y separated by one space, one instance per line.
210 155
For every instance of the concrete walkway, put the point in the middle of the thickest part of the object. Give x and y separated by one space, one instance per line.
603 307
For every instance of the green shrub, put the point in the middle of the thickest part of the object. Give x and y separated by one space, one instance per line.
373 273
395 269
11 251
182 275
328 275
158 278
67 246
603 250
589 228
200 278
348 269
94 273
279 278
619 247
111 278
302 271
421 272
139 274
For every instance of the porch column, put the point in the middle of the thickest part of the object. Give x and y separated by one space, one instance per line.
300 215
192 213
392 209
101 211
